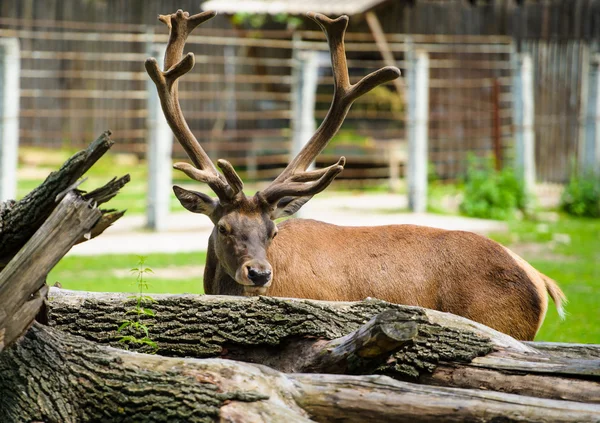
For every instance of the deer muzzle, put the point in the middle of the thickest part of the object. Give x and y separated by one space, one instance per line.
255 273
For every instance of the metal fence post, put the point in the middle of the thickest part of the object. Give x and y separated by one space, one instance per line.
418 117
523 98
10 65
589 157
160 148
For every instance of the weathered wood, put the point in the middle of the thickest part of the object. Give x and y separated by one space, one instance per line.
535 385
380 399
20 220
108 218
48 222
52 376
361 351
26 273
254 328
286 334
567 350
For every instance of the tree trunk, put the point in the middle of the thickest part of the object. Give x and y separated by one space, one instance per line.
52 376
291 336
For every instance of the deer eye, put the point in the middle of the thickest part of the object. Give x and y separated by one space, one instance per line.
222 229
274 234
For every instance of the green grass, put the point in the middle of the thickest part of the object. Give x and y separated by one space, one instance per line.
111 273
574 265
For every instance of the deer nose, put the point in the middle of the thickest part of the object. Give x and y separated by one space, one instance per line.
259 277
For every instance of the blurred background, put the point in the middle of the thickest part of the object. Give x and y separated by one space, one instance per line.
496 117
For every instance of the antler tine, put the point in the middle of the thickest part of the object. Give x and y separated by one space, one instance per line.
305 188
180 25
344 95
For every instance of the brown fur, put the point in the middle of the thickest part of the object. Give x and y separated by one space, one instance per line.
452 271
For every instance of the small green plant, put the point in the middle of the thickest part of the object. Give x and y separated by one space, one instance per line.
581 196
492 194
138 332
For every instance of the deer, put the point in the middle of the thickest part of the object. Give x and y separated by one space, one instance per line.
249 254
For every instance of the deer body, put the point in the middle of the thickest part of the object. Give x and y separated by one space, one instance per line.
453 271
457 272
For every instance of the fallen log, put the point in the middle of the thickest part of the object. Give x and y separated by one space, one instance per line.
295 335
53 376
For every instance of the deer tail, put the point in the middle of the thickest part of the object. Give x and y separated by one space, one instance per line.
557 295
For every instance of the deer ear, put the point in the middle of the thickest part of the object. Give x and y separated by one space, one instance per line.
194 201
287 206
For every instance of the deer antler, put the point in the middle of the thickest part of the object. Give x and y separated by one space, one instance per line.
291 183
180 25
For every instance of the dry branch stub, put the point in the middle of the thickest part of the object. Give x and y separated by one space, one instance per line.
19 220
36 232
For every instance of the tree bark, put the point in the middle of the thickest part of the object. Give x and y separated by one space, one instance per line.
289 334
19 220
53 376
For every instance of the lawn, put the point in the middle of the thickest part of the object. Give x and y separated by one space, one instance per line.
173 273
568 251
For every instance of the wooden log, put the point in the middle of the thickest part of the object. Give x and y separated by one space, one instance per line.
53 376
377 398
567 350
287 334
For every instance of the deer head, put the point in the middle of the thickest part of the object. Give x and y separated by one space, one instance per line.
244 225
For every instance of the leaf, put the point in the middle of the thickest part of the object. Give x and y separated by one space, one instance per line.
150 342
125 324
148 312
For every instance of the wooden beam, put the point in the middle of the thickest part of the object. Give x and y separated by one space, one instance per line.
384 48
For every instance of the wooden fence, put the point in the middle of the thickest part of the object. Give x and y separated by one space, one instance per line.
79 79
